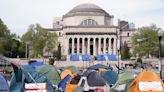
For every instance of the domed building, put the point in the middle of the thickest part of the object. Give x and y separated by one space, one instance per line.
87 29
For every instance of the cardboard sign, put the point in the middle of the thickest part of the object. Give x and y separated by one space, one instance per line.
153 86
35 86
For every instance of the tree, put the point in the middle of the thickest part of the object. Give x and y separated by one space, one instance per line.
145 41
4 35
40 39
4 31
28 36
9 43
125 54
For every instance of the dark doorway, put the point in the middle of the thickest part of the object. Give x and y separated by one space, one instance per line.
91 49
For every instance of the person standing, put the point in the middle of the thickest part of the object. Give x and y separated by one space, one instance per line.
51 61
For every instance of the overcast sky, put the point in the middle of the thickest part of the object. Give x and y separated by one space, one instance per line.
19 14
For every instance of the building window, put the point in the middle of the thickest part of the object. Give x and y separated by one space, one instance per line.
89 22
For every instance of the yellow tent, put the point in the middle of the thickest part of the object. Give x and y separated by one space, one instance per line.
70 87
147 81
65 73
102 70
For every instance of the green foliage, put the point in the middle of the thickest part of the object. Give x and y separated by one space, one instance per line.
9 43
4 31
28 36
145 41
125 54
40 39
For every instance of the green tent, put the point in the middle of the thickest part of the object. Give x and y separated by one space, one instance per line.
124 78
73 69
50 72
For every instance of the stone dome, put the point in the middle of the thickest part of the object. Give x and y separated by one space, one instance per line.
86 9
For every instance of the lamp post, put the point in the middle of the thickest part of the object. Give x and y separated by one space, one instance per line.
118 52
27 49
160 33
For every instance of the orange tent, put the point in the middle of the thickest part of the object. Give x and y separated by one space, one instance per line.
147 81
102 70
65 73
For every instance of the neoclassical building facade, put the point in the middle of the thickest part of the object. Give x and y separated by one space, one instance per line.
88 29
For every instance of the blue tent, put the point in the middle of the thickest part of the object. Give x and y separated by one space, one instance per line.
62 84
110 76
62 69
34 64
74 57
29 75
95 79
3 84
112 57
97 66
85 57
101 57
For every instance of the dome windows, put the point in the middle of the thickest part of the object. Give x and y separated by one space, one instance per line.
88 22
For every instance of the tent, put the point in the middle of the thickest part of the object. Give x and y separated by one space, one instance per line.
62 84
110 76
28 75
102 70
94 79
34 64
72 84
123 78
73 69
147 81
3 84
50 72
97 66
65 73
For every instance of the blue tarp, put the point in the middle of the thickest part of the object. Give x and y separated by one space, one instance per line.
74 57
97 66
34 64
112 57
3 84
110 76
85 57
101 57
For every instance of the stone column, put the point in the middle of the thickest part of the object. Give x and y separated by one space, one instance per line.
78 45
94 46
114 46
67 47
88 50
109 46
83 44
104 46
99 46
73 44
